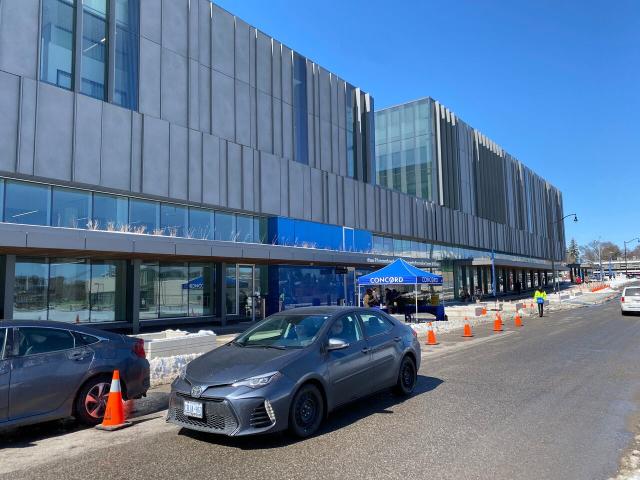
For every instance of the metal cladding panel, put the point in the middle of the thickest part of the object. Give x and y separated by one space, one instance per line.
54 134
175 25
204 32
254 116
222 44
349 202
9 108
287 131
247 179
88 139
193 29
311 139
243 113
270 184
342 103
335 145
277 127
155 156
149 77
340 200
265 123
115 171
287 75
324 95
306 185
234 175
325 146
27 126
174 87
136 152
178 162
18 37
297 193
384 213
194 94
243 51
204 103
151 20
342 152
195 166
222 105
263 63
317 197
253 33
420 219
224 185
395 213
332 198
369 219
210 169
276 70
284 187
256 181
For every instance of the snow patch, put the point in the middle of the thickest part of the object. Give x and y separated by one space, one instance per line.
164 370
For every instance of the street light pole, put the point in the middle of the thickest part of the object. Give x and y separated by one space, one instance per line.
556 287
626 267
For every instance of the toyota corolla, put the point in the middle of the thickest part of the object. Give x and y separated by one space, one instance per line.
293 368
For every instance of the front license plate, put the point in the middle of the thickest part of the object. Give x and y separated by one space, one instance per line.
192 409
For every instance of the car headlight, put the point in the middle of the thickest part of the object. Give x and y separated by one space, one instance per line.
258 381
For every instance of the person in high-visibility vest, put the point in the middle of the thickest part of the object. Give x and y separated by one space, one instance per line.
540 297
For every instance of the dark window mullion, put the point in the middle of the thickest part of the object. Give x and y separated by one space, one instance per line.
111 46
77 51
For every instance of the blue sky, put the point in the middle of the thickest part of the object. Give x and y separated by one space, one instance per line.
556 83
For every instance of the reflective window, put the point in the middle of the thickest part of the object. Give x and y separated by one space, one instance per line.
244 227
201 224
107 294
69 290
174 294
173 220
110 212
70 208
30 289
285 331
346 329
201 278
56 39
94 48
1 198
351 129
231 289
300 120
144 216
225 226
3 334
126 61
27 203
33 340
149 290
375 324
260 230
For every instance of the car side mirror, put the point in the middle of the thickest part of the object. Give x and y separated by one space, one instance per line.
336 344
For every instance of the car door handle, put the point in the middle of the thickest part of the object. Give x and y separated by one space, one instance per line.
397 339
77 356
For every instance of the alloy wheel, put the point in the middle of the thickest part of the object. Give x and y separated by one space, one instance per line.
95 401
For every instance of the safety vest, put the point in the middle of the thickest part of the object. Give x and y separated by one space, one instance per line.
540 296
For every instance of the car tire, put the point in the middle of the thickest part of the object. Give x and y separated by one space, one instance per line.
306 412
91 400
623 313
407 377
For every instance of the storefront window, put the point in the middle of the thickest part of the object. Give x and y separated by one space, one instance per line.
225 226
107 294
110 212
30 289
260 230
144 216
174 294
70 208
173 220
69 290
149 290
28 203
201 276
230 278
201 224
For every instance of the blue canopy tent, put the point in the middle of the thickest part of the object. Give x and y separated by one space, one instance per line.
399 272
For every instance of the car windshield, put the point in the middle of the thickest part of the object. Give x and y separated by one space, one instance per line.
283 331
632 292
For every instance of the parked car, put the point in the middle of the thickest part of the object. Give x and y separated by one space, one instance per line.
51 370
293 368
630 300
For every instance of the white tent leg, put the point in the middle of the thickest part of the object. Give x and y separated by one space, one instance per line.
358 295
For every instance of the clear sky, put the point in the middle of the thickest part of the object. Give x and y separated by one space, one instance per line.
554 82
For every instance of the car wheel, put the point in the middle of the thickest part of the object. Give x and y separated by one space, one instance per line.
92 400
307 411
623 312
407 377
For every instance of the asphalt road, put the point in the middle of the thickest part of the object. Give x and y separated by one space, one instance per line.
553 400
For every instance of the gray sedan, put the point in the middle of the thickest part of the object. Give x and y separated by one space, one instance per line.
293 368
51 370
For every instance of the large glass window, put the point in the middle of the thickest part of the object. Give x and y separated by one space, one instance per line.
94 48
230 278
110 212
126 61
69 290
174 295
225 226
56 42
32 340
30 289
173 220
300 120
201 277
260 230
201 224
244 225
144 216
107 296
149 290
28 203
70 208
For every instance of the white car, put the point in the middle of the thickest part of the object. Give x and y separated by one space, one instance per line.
630 300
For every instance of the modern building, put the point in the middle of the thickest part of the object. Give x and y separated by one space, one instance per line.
164 162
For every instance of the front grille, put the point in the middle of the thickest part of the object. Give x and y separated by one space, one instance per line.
218 416
259 417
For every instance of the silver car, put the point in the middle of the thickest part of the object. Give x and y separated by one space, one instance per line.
293 368
51 370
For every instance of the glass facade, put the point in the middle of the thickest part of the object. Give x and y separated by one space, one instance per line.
110 212
405 149
57 42
95 48
350 124
300 118
70 208
144 216
126 62
174 220
201 223
28 203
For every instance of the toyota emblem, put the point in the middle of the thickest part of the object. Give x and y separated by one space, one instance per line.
197 390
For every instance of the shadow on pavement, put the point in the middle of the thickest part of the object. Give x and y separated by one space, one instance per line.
381 402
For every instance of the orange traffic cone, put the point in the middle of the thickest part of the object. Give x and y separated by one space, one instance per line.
431 336
518 320
484 311
497 324
114 414
467 328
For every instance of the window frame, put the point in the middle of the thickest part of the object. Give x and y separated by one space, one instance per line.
381 317
3 341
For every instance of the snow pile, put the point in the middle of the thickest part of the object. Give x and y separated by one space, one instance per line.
165 369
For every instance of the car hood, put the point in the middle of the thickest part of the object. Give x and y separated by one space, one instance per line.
229 363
